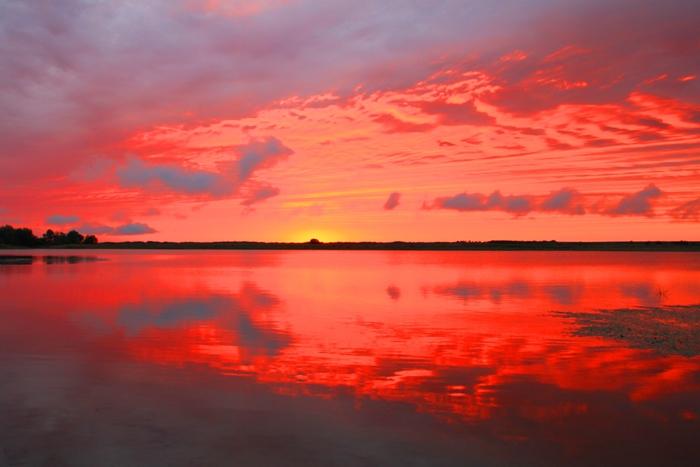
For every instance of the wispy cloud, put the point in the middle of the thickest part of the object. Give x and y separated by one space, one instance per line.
258 194
689 211
58 219
392 201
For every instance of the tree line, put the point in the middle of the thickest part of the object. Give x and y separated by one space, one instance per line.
23 236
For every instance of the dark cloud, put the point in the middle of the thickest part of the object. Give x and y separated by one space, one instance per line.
135 228
392 201
248 158
516 205
137 174
637 204
95 229
566 200
258 154
58 219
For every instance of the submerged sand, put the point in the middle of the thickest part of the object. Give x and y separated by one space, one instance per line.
669 330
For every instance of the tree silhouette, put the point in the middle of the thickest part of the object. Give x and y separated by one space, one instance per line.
74 237
49 237
24 237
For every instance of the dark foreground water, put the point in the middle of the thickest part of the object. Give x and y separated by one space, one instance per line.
241 358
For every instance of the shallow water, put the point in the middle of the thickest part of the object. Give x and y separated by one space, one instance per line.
343 358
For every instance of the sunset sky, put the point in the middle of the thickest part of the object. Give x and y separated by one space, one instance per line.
351 120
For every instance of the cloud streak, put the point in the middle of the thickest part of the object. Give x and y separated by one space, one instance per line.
135 228
689 211
259 194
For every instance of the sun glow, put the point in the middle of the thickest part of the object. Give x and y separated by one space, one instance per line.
323 235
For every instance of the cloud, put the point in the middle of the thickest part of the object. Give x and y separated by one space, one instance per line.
637 204
393 124
58 219
259 193
392 201
95 229
516 205
456 114
259 154
152 211
566 200
77 94
248 158
571 62
689 211
80 95
137 174
135 228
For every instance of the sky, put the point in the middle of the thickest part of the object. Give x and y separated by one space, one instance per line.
283 120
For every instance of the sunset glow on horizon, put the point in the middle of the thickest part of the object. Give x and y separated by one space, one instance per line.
278 120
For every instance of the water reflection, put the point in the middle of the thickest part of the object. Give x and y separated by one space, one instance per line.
493 292
182 312
393 292
484 358
645 293
18 259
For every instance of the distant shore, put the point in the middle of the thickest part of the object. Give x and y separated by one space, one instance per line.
494 245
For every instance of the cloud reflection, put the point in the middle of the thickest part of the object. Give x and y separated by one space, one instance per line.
135 318
492 292
237 314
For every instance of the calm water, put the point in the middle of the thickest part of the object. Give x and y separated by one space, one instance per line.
344 358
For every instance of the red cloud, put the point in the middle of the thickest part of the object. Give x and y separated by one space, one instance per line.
395 125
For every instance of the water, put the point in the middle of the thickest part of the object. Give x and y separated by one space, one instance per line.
347 358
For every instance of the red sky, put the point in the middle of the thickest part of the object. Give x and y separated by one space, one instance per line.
394 120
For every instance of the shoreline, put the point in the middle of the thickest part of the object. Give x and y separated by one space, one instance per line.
495 245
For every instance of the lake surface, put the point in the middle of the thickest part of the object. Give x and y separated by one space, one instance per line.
349 358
